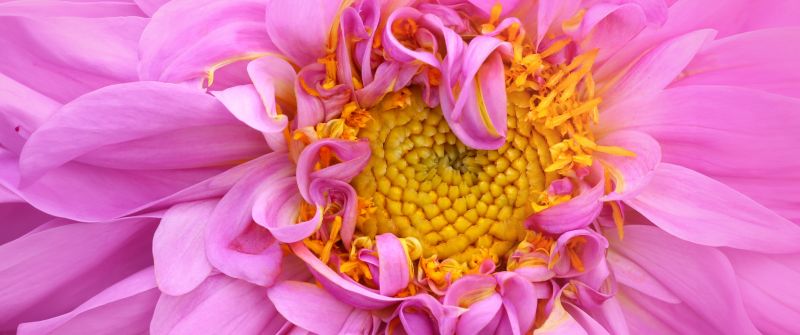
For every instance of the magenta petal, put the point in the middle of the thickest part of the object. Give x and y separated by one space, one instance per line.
701 277
607 27
150 6
178 247
560 321
396 50
61 8
256 111
124 308
23 218
23 110
630 174
310 307
519 301
422 314
697 208
393 264
220 305
576 213
54 269
301 29
234 244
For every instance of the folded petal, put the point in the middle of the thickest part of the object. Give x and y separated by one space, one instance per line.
630 174
22 218
701 277
150 6
353 157
608 26
53 270
124 308
234 244
62 58
190 39
300 30
758 59
278 208
220 305
178 251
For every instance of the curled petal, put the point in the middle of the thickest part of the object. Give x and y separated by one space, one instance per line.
353 157
394 49
630 174
393 264
587 246
423 314
576 213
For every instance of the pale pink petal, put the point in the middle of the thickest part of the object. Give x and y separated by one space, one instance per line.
178 252
220 305
519 301
277 209
549 12
53 270
60 57
731 140
768 289
630 174
657 68
590 325
607 27
397 51
124 308
234 244
300 30
761 59
591 252
697 208
559 321
310 307
186 39
701 277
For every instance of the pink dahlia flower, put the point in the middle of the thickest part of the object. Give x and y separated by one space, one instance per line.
400 167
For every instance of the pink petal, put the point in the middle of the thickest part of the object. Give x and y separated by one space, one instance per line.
51 271
732 140
300 30
701 277
591 253
607 27
759 59
559 321
549 12
23 111
220 305
179 254
60 57
519 301
768 285
150 6
123 126
124 308
399 52
234 244
186 39
657 68
576 213
393 265
696 208
630 174
310 307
